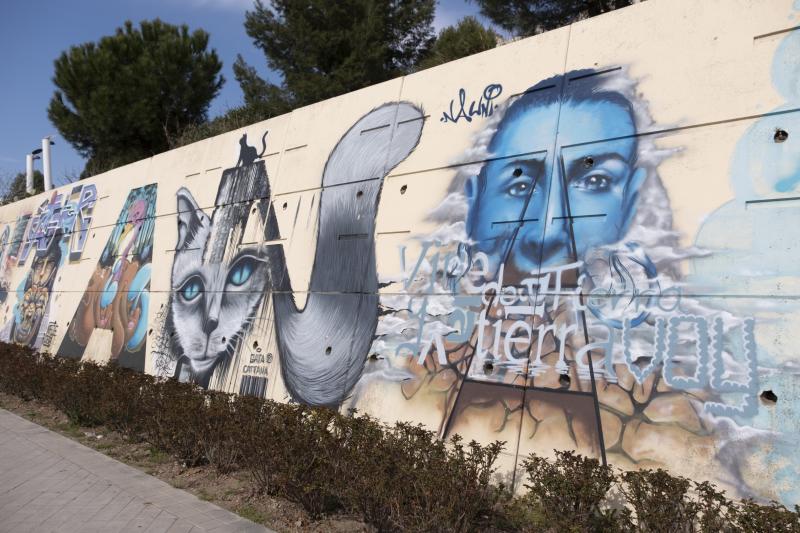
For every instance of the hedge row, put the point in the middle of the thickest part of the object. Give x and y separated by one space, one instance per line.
396 478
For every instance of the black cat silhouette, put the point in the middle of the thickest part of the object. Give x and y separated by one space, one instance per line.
248 154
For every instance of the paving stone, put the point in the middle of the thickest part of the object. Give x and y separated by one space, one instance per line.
51 483
163 522
181 526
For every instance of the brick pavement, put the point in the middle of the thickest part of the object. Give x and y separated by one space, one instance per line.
51 483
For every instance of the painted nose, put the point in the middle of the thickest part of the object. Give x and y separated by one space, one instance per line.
210 325
555 238
212 314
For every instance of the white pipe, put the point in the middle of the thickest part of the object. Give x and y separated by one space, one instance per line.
48 178
29 173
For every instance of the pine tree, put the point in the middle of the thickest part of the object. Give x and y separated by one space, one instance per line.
467 37
129 95
529 17
323 49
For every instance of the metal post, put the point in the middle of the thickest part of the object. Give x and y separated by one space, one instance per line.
48 178
29 173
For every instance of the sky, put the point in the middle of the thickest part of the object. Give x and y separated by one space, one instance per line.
33 33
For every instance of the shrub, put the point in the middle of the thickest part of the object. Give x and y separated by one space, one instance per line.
569 492
122 400
403 478
661 502
221 430
397 478
752 517
172 419
79 394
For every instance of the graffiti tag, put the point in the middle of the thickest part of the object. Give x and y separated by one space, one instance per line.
484 107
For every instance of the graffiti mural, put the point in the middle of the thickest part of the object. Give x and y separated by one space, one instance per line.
55 232
5 264
34 295
117 296
217 280
527 245
549 299
558 243
217 289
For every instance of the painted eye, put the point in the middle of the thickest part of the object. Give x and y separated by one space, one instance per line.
241 271
520 188
594 183
191 289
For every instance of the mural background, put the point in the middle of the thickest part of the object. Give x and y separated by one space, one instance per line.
585 240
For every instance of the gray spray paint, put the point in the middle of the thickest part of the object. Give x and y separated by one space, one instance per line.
323 347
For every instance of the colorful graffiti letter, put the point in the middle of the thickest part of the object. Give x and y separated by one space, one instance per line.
118 293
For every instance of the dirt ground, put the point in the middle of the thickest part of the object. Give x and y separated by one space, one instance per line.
230 491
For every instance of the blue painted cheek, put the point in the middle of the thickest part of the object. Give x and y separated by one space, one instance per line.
788 184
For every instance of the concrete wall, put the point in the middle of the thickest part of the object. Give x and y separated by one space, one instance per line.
586 239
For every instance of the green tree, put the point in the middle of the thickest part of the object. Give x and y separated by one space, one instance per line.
529 17
467 37
323 49
130 95
16 188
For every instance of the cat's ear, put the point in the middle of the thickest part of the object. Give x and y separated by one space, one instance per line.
190 218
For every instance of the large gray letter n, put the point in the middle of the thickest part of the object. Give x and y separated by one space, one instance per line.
323 347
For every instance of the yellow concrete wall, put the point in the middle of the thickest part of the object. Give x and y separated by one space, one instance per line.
586 239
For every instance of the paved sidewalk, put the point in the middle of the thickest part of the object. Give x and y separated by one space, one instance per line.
51 483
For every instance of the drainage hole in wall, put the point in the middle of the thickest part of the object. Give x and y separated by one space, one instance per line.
255 345
328 350
403 189
285 205
517 172
150 332
588 162
769 397
564 380
780 135
359 194
488 366
224 340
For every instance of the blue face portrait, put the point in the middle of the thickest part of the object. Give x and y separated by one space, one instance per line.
529 209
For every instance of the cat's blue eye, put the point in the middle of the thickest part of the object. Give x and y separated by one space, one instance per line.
241 271
191 289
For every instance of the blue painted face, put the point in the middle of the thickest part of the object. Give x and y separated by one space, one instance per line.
519 205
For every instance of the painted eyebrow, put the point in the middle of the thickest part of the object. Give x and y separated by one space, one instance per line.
250 253
531 166
578 165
